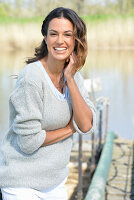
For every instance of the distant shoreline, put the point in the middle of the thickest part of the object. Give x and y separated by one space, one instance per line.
103 32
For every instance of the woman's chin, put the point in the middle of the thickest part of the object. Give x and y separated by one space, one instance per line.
61 58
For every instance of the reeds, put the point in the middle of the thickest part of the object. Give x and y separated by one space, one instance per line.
20 37
110 34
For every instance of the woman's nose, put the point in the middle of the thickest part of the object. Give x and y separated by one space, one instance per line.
60 39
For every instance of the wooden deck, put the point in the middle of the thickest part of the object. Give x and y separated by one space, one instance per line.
72 182
120 183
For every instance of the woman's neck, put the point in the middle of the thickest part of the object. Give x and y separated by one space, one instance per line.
55 67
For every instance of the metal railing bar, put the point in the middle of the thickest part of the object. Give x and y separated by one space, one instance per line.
98 183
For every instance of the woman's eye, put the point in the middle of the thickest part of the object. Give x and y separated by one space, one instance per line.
53 34
68 35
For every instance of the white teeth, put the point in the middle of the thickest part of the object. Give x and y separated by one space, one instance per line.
60 49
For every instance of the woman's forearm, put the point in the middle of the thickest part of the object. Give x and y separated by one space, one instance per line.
58 135
81 111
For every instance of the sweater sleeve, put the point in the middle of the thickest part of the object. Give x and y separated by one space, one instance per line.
28 105
80 83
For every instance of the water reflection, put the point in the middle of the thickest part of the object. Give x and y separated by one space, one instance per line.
116 70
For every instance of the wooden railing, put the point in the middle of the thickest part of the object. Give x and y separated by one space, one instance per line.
97 140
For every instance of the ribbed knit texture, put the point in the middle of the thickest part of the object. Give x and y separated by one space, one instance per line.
34 109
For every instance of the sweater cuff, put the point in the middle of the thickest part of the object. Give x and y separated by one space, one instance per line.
92 130
31 143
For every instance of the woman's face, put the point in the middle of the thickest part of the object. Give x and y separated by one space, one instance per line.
60 39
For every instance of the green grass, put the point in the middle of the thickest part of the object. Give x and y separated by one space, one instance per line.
92 19
88 18
105 17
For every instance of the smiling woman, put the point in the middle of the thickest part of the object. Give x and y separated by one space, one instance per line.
60 39
48 105
77 32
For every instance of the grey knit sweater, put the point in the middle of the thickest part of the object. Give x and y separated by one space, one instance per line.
34 109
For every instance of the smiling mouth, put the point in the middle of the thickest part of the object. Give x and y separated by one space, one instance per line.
60 48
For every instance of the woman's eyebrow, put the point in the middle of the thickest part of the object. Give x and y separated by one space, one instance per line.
68 31
52 30
64 31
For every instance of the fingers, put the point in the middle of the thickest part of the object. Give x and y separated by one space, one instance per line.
73 58
71 67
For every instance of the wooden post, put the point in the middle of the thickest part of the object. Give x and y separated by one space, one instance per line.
100 129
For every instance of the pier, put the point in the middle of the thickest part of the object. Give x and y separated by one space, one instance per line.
120 181
95 175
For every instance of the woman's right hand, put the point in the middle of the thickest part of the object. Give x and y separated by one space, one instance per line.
71 67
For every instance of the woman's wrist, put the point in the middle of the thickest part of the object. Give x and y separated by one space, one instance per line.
70 81
70 129
70 126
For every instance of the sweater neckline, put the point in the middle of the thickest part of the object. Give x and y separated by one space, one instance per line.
55 91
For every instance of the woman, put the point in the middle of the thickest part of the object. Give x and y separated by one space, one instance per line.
48 104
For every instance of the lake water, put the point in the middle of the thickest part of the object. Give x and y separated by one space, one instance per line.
114 68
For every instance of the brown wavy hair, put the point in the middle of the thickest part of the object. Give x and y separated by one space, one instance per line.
80 31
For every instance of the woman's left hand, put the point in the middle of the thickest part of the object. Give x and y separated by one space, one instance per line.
71 68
